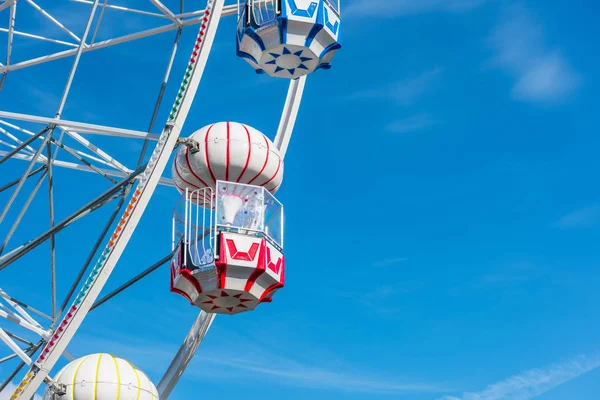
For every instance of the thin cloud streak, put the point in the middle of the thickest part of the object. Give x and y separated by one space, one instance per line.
390 261
393 8
505 276
294 373
541 74
414 123
406 91
258 364
535 382
585 216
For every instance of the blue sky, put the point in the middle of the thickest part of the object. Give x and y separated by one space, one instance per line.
441 208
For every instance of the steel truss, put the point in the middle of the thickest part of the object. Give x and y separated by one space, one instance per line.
42 148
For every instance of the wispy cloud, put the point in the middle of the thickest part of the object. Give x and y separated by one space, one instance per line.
541 73
10 389
585 216
241 357
534 382
393 8
507 275
390 261
416 122
405 91
384 300
256 363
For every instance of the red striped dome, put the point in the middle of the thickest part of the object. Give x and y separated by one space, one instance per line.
228 151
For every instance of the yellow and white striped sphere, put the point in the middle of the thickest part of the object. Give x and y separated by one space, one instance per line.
103 377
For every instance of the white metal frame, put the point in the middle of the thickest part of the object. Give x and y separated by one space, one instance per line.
150 179
194 227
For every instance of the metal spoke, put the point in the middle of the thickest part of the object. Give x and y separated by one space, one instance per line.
127 9
45 39
63 99
52 240
89 145
85 168
13 228
92 253
99 21
78 126
21 304
13 183
18 338
81 159
22 146
54 20
132 281
166 11
30 352
24 177
161 92
11 28
8 358
86 209
228 10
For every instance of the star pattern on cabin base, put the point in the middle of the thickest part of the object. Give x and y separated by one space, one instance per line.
288 61
227 301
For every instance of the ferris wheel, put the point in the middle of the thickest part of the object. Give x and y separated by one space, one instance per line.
226 255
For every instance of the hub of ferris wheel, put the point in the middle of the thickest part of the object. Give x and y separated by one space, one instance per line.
228 227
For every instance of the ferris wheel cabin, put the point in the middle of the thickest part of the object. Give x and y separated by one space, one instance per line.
228 247
288 38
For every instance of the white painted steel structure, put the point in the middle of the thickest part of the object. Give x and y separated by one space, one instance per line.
56 331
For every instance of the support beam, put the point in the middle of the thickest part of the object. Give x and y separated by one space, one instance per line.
131 217
184 354
16 139
11 29
22 323
93 148
19 338
16 304
290 112
166 12
63 99
14 347
120 8
29 352
161 93
52 240
6 4
23 178
91 255
22 146
82 160
86 209
13 183
99 21
38 37
24 209
132 281
229 10
69 165
53 20
7 358
80 126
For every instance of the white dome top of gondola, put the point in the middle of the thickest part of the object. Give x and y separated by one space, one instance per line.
228 151
102 377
